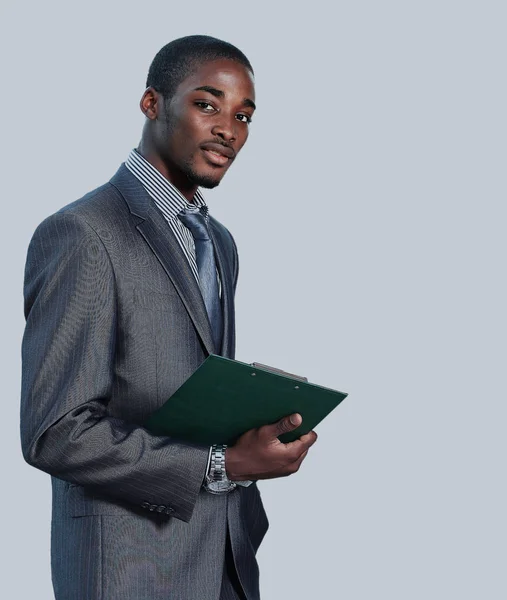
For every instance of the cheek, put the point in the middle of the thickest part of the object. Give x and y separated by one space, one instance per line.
192 135
181 144
242 138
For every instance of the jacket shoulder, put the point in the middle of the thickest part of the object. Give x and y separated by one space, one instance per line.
91 211
95 204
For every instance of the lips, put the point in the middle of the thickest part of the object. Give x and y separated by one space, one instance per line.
217 154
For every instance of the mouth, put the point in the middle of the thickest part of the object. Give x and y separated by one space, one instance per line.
218 154
215 158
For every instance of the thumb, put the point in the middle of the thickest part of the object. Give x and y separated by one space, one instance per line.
273 430
289 423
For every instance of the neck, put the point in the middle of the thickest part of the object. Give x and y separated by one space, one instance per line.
178 179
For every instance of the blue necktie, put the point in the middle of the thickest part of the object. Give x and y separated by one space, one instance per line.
206 267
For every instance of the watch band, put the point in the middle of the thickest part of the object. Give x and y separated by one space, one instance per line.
217 481
217 470
243 483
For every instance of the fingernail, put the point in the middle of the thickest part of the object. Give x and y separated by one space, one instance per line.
293 419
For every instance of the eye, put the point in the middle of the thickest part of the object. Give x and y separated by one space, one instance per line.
244 118
206 106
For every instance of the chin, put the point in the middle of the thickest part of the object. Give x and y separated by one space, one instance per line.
204 180
202 175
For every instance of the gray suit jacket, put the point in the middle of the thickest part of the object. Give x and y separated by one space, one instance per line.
115 324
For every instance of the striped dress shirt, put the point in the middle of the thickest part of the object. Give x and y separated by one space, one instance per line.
170 201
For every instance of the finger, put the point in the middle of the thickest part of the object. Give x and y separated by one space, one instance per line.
303 442
294 450
294 466
309 438
302 457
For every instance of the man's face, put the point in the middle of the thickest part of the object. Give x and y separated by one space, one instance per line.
205 124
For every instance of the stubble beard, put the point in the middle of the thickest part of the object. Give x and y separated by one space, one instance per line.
205 181
188 169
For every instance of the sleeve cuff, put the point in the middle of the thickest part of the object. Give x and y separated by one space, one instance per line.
207 466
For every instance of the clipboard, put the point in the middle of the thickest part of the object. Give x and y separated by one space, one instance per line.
224 398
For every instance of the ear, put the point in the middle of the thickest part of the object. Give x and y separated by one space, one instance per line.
151 103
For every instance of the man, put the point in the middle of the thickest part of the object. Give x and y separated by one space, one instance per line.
127 290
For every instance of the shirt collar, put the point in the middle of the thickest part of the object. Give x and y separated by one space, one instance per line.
166 196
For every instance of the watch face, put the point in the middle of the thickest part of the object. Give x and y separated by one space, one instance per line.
220 486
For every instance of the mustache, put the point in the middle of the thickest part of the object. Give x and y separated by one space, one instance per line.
231 153
219 141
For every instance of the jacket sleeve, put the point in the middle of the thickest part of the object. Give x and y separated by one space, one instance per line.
67 377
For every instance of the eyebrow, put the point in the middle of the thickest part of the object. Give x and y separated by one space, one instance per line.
220 94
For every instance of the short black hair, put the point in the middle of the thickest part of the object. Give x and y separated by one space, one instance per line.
179 58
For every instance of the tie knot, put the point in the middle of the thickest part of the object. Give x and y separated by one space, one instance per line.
196 222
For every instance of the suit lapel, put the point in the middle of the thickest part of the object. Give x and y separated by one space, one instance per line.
159 237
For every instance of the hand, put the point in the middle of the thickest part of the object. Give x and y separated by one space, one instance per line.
259 454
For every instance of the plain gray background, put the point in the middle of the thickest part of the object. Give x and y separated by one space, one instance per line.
369 210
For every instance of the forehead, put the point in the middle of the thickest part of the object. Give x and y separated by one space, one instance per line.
226 75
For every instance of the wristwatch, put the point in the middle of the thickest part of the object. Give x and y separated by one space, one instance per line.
217 481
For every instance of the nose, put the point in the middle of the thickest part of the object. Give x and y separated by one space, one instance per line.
225 129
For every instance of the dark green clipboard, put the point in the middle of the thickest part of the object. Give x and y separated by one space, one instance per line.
224 398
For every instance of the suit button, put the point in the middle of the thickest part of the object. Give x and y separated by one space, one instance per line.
168 510
152 507
145 505
160 508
